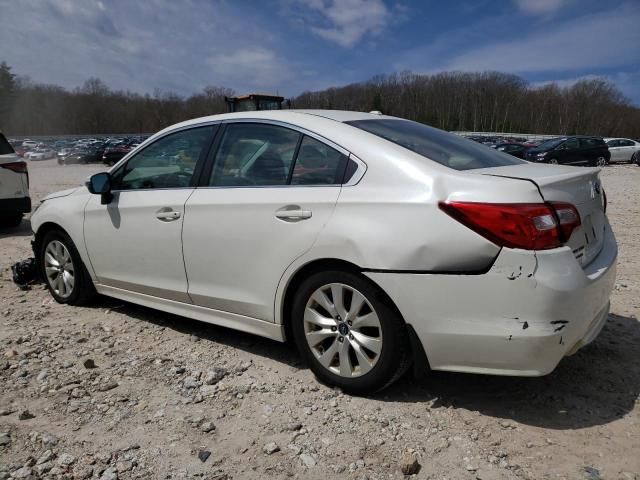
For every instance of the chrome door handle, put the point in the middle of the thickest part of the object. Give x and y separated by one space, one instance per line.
167 216
293 214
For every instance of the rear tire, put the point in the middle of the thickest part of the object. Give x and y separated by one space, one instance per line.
601 162
553 161
63 271
358 342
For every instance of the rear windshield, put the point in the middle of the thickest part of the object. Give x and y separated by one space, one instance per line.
450 150
5 147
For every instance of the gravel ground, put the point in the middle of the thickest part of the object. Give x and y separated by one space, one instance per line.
121 391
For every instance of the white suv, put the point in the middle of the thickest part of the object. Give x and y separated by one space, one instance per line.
14 186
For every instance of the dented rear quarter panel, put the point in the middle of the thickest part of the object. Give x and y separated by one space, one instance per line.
520 318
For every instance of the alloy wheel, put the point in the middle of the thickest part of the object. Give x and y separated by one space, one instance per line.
343 330
601 162
59 268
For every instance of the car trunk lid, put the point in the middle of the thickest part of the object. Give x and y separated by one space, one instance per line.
578 186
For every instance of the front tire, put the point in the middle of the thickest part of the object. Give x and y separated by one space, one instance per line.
64 272
348 333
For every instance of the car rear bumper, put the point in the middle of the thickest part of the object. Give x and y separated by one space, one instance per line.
15 205
520 318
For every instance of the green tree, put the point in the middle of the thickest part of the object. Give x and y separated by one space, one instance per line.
7 92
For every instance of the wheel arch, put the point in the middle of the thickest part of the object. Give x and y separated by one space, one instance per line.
43 229
418 354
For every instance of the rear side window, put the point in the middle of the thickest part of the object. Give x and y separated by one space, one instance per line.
591 142
5 147
445 148
317 164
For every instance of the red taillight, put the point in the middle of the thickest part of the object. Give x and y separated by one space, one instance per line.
531 226
19 167
568 218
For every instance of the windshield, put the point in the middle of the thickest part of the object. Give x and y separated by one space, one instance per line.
551 143
450 150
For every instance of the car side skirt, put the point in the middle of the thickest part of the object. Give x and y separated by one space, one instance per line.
215 317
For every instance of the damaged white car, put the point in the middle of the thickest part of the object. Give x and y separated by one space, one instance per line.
372 242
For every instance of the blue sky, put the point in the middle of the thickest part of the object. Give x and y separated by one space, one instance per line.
288 46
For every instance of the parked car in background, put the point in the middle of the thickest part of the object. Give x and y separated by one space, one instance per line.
113 154
623 149
575 150
515 149
20 150
84 154
274 217
14 186
63 153
40 153
29 144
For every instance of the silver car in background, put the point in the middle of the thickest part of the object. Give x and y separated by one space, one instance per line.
623 150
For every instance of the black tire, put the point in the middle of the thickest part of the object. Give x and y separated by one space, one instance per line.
600 162
83 291
553 161
11 220
394 358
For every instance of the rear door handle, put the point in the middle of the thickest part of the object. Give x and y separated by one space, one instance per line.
167 216
293 214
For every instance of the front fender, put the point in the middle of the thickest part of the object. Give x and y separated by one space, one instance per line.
67 213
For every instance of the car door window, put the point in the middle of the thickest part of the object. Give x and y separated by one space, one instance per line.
254 154
613 143
571 144
318 164
166 163
626 143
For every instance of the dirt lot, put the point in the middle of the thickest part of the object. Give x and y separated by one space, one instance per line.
175 398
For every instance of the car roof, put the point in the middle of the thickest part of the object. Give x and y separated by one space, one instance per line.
284 116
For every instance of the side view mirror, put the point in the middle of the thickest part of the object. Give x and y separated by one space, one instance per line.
100 184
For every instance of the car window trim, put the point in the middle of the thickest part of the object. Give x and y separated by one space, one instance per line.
196 171
294 160
210 161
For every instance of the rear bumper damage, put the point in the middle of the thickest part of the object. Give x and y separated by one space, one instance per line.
522 317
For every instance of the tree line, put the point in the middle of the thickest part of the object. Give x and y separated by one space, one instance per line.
489 101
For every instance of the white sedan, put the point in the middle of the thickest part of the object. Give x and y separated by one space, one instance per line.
623 150
372 242
40 153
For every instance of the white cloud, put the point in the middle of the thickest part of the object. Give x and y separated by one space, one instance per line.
141 46
540 7
257 62
597 41
346 22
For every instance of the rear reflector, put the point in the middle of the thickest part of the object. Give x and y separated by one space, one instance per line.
19 167
531 226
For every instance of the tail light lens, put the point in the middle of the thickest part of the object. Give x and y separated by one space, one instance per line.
19 167
531 226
